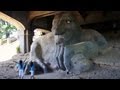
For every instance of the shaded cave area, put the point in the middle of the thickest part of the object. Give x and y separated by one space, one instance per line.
110 29
44 23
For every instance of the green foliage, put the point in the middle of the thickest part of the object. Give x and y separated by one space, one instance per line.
1 34
18 49
6 28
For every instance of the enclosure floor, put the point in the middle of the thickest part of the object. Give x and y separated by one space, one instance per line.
106 66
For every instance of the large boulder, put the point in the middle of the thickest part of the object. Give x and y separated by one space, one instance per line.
80 55
67 43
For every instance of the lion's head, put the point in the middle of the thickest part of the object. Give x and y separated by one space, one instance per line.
66 23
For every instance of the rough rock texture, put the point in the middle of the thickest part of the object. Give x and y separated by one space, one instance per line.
80 63
44 47
103 70
66 40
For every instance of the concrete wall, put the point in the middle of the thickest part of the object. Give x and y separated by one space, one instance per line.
101 16
46 23
22 16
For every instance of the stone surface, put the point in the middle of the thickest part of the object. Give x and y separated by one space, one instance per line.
80 64
67 33
111 58
99 71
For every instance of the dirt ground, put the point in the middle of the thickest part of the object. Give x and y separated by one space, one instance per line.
106 67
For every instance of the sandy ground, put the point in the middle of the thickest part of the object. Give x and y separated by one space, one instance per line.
106 67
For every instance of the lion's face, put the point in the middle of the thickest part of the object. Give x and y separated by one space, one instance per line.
65 24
